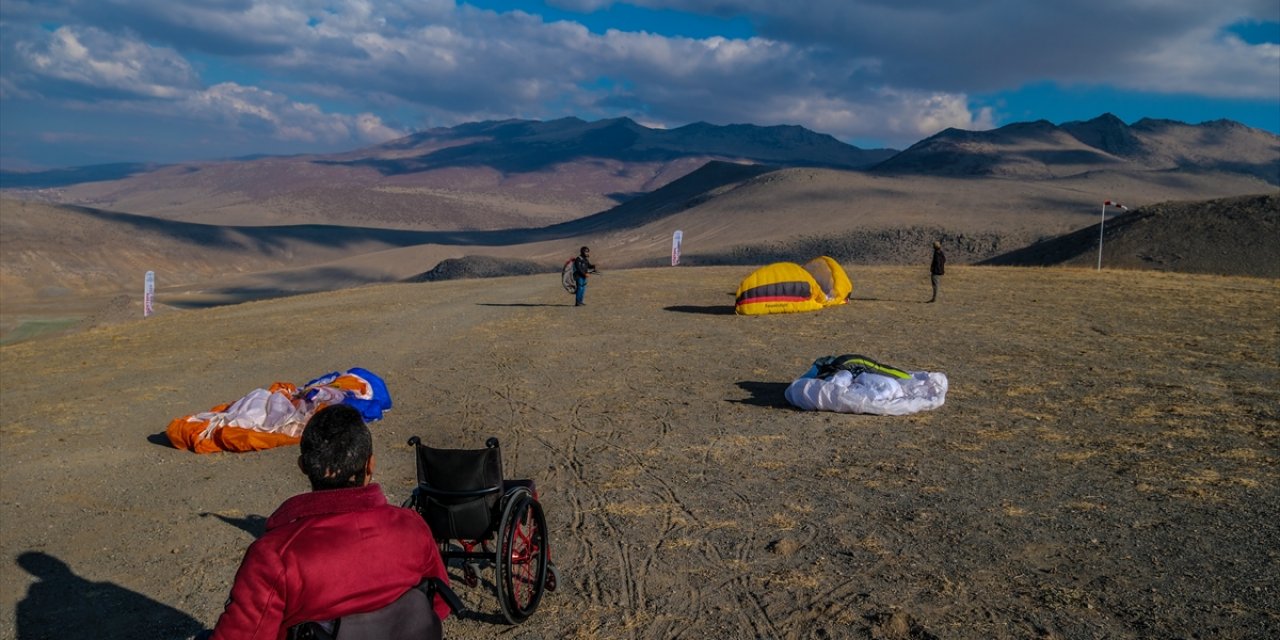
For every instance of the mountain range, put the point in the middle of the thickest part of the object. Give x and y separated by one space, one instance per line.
1041 150
521 174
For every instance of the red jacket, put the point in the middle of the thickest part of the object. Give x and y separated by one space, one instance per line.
327 554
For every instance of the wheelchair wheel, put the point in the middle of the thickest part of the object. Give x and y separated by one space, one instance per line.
522 557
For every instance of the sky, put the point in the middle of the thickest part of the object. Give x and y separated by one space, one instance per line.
86 82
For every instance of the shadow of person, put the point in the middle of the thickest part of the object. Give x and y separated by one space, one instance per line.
252 524
765 394
61 604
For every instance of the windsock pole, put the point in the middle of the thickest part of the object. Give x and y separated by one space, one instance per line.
1103 224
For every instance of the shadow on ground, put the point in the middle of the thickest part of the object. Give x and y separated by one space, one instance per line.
61 604
711 310
252 524
765 394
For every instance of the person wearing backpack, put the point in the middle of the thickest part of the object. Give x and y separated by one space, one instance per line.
582 267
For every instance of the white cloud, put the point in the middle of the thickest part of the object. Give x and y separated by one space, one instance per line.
250 109
372 129
1204 62
867 69
95 59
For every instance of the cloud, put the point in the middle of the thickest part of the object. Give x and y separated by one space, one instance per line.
94 59
941 45
371 129
1209 62
251 109
296 70
86 69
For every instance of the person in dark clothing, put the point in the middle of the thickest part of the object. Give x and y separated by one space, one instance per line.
937 268
582 267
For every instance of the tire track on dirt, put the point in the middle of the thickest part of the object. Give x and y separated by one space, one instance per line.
590 518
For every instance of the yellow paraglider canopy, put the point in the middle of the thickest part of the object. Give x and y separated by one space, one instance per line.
831 277
782 287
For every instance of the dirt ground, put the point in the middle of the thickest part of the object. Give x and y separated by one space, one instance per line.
1105 465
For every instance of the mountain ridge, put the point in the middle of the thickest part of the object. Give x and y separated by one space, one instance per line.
505 174
1042 150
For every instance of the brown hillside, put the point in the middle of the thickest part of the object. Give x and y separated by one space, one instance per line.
1231 236
55 260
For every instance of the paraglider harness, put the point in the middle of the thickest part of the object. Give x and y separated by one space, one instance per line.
569 275
828 366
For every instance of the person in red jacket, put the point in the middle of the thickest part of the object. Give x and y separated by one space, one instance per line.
338 550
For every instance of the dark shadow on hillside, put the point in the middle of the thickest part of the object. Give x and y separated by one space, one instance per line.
274 240
282 284
252 524
60 604
518 152
765 394
230 296
72 175
625 197
1062 249
711 310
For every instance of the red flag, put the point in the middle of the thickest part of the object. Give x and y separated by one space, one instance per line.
1117 205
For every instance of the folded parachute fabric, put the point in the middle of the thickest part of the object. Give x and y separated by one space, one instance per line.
274 417
857 384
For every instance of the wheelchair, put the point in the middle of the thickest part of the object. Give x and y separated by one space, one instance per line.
483 520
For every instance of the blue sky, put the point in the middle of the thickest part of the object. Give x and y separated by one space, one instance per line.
95 81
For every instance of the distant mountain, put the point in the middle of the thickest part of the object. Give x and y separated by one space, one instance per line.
521 146
1040 150
476 176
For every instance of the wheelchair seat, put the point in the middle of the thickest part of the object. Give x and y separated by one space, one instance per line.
412 616
464 499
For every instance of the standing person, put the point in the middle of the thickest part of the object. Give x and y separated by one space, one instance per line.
336 551
937 268
582 267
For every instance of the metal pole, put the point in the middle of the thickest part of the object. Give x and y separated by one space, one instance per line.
1100 225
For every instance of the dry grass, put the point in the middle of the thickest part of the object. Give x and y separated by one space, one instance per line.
1105 465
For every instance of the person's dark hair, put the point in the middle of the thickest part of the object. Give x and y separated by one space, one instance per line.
336 447
583 251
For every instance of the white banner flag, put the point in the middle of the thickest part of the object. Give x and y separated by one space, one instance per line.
148 293
675 247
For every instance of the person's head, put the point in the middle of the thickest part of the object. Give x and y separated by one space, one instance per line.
584 251
937 245
337 449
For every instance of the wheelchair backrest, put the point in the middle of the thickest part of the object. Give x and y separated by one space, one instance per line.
411 617
459 470
459 490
